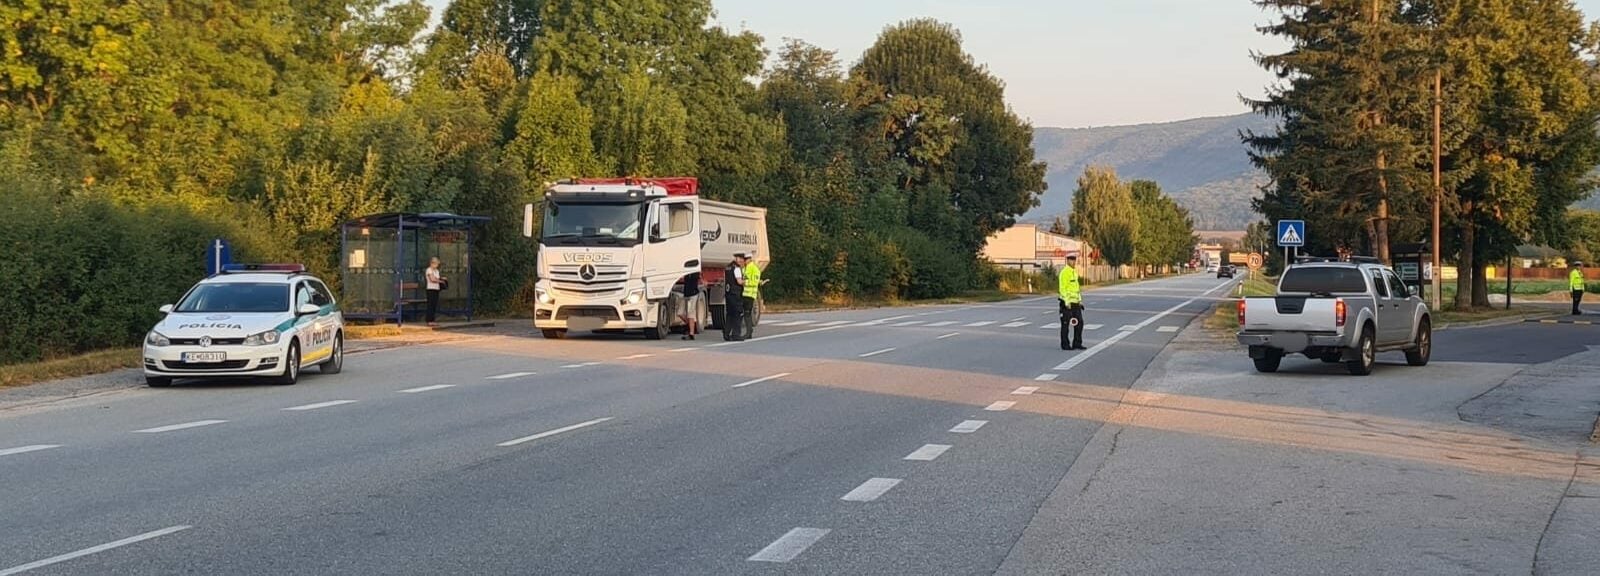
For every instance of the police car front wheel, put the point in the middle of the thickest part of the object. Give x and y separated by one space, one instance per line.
291 366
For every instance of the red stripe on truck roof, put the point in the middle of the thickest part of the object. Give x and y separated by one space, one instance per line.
676 186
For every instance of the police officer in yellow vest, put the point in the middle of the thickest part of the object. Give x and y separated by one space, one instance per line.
752 294
1071 306
1576 281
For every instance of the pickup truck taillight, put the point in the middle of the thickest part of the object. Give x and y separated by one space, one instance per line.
1338 311
1241 313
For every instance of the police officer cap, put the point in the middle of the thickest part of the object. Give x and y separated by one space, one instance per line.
1072 256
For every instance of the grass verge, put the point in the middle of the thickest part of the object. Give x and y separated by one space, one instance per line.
1225 316
71 367
355 332
1453 316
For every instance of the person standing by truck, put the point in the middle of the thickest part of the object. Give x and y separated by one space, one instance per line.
752 294
691 306
1071 306
1575 279
733 300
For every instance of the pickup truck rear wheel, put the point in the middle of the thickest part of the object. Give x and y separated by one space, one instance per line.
1269 362
1366 355
1423 351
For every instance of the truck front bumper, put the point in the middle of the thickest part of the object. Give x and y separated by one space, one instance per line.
1290 342
593 316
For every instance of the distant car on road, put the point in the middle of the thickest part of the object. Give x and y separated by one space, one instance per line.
1225 271
250 321
1337 312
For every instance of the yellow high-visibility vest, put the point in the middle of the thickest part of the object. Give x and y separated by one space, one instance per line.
1071 292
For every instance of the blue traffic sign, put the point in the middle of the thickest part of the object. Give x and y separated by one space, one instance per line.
1291 233
218 255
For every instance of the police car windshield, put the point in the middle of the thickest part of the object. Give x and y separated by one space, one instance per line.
238 298
593 223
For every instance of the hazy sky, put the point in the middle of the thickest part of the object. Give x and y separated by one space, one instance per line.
1067 63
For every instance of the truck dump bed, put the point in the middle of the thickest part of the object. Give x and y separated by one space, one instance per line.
729 228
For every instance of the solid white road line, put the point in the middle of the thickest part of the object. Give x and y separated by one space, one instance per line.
1129 327
1016 319
911 323
928 452
801 322
183 426
968 426
318 405
941 324
1025 391
978 324
1093 326
760 380
93 550
1167 329
636 357
1085 355
824 328
427 388
583 365
871 490
1001 406
554 432
950 335
511 375
790 545
883 351
1016 324
27 449
835 323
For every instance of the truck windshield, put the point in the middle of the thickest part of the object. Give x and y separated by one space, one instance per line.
593 223
1323 280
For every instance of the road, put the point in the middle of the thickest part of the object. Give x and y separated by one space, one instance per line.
930 440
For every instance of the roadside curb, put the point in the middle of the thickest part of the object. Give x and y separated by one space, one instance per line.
1551 320
1507 321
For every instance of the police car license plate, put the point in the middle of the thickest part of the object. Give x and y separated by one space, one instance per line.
204 357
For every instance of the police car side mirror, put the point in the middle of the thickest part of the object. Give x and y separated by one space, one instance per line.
309 309
166 308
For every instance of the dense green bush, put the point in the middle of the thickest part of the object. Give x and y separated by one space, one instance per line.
89 273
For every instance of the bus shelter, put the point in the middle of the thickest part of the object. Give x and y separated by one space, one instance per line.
383 258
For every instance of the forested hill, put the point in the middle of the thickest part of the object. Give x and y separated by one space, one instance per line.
1201 163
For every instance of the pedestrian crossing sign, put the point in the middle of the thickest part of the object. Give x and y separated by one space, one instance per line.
1291 233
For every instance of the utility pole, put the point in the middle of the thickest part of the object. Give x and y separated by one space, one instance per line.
1438 188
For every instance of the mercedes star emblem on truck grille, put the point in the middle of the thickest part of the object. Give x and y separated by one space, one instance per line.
587 272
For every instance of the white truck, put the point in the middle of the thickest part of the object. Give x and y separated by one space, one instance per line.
613 254
1337 312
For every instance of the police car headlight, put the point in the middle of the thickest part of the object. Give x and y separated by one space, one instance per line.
543 296
156 339
267 338
633 298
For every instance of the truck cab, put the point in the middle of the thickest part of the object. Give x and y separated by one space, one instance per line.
613 253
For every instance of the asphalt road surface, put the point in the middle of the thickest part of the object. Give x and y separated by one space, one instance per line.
919 441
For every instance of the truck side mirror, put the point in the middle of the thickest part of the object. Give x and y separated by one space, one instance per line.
527 220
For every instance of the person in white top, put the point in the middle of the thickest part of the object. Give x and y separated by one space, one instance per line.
435 283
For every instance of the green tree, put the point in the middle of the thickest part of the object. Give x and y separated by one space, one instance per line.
1166 232
1104 215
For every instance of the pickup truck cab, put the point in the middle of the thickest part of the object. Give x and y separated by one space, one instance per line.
1337 312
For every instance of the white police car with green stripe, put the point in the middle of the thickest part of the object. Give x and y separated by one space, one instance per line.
266 320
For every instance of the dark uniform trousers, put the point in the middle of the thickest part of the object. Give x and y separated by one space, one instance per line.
732 316
1071 325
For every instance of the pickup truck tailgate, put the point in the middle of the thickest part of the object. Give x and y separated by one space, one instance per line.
1290 314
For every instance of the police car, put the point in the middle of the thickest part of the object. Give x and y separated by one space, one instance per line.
257 320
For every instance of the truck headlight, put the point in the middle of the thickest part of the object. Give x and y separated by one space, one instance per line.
543 296
156 339
267 338
633 298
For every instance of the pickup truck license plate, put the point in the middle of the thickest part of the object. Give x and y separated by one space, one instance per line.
204 357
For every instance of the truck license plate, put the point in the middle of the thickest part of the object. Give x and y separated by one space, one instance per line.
204 357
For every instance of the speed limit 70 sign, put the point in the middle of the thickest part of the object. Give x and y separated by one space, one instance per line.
1255 261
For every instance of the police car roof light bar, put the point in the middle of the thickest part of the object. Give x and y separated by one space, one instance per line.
259 268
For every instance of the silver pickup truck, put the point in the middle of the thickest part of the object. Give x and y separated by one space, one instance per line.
1337 312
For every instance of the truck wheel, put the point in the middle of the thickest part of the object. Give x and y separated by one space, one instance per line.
663 324
1269 363
718 315
554 334
1366 355
1420 355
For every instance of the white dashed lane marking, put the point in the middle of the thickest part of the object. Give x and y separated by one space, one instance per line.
511 375
636 356
1016 324
1025 391
969 426
950 335
911 323
835 323
176 427
1046 377
91 550
427 388
1001 406
1093 326
1050 326
760 380
583 365
942 324
27 449
1167 329
540 435
320 405
878 352
790 545
978 324
928 452
871 490
1129 328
